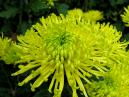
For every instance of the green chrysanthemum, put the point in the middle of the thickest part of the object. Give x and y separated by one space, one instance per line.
115 84
7 51
125 16
70 46
4 44
93 15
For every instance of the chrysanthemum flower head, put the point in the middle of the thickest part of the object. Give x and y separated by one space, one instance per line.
71 46
125 16
4 44
93 15
7 50
114 84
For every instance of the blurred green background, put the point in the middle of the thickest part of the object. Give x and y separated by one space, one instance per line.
18 15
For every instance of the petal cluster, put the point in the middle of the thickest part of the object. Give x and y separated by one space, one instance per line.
114 84
8 51
125 16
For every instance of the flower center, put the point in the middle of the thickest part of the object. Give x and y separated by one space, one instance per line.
59 44
63 39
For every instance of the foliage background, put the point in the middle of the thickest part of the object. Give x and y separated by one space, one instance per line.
18 15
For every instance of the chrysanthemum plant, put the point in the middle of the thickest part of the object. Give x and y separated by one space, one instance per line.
75 46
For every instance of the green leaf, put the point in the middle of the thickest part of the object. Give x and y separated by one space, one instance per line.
5 28
62 8
120 1
113 2
23 27
116 2
10 12
38 5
